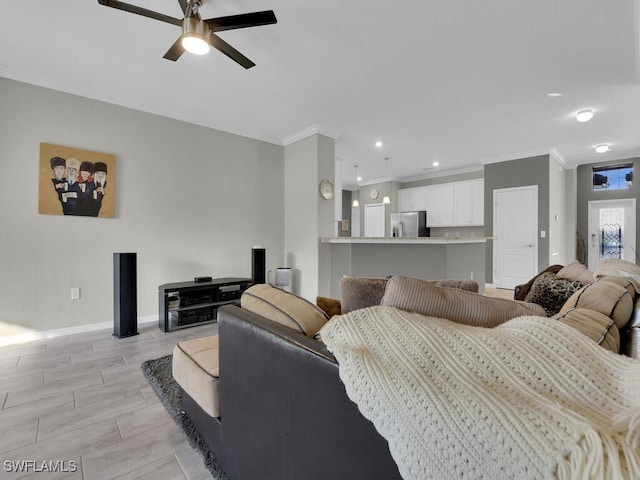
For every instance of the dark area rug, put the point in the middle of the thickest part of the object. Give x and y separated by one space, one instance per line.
158 373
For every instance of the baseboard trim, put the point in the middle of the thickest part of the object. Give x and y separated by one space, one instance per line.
61 332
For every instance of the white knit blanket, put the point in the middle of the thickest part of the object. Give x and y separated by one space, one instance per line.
531 398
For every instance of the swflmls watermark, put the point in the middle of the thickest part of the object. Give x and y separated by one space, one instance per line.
39 466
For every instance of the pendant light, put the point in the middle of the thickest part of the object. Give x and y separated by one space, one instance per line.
386 200
355 203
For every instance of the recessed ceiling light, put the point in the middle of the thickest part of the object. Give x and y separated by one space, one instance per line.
379 144
584 115
554 94
603 148
435 164
359 179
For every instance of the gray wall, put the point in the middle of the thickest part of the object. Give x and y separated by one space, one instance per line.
190 201
346 213
390 188
518 173
585 194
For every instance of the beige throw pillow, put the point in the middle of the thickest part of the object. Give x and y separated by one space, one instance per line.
460 306
576 272
284 307
595 325
611 296
619 268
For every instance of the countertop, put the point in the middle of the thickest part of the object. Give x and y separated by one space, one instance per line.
405 240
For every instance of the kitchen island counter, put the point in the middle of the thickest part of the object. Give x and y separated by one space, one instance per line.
405 240
427 258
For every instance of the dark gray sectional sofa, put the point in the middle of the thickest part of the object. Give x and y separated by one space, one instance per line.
285 413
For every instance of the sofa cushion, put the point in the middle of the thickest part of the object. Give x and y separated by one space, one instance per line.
464 284
595 325
551 292
611 296
619 268
361 292
195 368
330 306
577 272
461 306
520 291
284 307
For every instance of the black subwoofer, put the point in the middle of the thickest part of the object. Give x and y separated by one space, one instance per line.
258 265
125 295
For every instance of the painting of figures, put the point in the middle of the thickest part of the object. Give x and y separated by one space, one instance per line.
76 182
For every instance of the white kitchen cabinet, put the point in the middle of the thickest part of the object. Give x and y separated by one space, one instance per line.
440 205
469 203
456 204
462 203
477 202
412 199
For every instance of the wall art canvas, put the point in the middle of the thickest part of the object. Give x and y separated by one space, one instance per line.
76 182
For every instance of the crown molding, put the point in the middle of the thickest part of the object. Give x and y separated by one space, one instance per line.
553 151
535 152
308 132
436 172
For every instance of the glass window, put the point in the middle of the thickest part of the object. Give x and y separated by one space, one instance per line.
616 177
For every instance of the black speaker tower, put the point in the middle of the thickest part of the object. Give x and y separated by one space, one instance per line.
125 295
258 265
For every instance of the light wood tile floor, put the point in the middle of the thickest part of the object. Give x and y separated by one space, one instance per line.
83 399
499 292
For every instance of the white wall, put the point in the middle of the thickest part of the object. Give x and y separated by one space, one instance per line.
557 213
307 216
190 201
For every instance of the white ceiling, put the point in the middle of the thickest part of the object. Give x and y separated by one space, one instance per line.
462 82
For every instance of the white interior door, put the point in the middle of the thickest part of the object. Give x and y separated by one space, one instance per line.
515 226
612 230
374 224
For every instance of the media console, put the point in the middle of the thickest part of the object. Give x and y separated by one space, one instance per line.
187 304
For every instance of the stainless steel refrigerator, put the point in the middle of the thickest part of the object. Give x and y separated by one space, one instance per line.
409 224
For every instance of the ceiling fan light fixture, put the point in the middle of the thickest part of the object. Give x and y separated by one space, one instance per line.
196 45
194 36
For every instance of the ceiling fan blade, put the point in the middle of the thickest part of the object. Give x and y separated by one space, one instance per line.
229 51
183 6
243 20
175 51
140 11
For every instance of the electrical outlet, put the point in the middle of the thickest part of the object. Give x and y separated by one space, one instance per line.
75 293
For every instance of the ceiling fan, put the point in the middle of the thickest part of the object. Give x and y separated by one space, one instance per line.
198 34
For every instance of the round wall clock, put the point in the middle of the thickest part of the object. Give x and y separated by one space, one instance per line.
374 193
326 189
